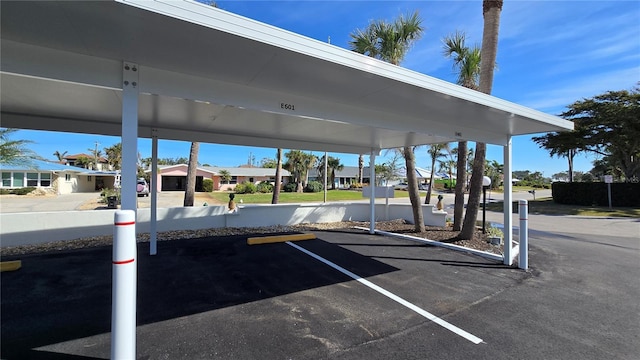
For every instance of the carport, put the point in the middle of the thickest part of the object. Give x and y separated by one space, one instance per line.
187 71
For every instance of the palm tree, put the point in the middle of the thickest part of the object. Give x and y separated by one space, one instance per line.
297 164
276 186
192 170
334 165
467 63
491 13
435 151
97 154
360 169
60 156
390 42
114 156
225 176
14 152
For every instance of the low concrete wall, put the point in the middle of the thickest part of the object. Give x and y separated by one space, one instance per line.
36 228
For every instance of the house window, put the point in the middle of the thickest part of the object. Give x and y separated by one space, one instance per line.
45 179
234 180
250 179
18 179
32 179
6 179
67 177
89 178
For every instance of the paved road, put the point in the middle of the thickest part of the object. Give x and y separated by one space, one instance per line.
219 298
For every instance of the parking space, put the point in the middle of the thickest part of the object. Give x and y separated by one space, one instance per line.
221 298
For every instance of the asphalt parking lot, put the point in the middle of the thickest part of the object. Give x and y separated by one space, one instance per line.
220 298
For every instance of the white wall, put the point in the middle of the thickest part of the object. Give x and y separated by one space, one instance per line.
34 228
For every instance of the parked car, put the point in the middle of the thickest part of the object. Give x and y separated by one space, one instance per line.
142 187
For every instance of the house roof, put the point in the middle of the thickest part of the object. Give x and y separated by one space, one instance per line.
42 165
76 156
346 172
62 69
233 171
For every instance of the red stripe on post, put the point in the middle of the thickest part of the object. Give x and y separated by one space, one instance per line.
123 262
124 223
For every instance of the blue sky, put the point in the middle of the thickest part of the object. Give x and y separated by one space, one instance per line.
550 54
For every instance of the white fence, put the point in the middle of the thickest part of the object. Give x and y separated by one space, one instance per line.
35 228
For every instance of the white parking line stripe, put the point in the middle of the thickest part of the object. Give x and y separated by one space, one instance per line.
474 339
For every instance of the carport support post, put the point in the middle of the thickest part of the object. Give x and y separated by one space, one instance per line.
130 86
123 295
507 206
372 199
523 211
153 230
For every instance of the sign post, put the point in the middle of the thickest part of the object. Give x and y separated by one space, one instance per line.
609 179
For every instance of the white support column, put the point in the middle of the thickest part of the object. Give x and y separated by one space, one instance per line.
523 211
130 90
124 285
154 193
372 184
508 206
326 163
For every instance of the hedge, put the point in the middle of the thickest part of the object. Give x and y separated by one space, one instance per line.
596 194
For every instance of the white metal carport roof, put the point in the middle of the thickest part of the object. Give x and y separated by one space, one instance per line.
211 76
187 71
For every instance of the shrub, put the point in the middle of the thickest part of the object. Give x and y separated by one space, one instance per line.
245 188
596 193
264 187
289 187
5 191
106 193
23 191
313 187
207 185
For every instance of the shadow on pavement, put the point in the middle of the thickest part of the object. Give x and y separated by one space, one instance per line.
62 296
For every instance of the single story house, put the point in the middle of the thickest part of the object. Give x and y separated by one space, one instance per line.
344 178
174 177
55 177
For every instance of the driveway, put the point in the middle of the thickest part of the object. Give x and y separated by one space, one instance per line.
86 201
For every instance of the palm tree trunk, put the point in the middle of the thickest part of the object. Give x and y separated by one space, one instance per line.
360 168
414 195
276 187
461 176
491 12
189 194
427 199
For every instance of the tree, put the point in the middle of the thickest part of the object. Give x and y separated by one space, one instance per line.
60 156
360 168
114 156
491 10
606 125
467 63
269 163
14 152
333 165
390 42
225 176
276 187
298 164
564 144
84 162
192 170
435 151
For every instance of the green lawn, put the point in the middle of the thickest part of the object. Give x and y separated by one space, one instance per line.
546 206
285 197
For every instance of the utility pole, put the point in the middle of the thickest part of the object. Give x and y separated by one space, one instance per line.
95 155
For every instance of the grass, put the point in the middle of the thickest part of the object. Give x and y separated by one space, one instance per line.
546 206
285 197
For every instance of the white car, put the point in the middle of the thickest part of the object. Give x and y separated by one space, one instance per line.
142 188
